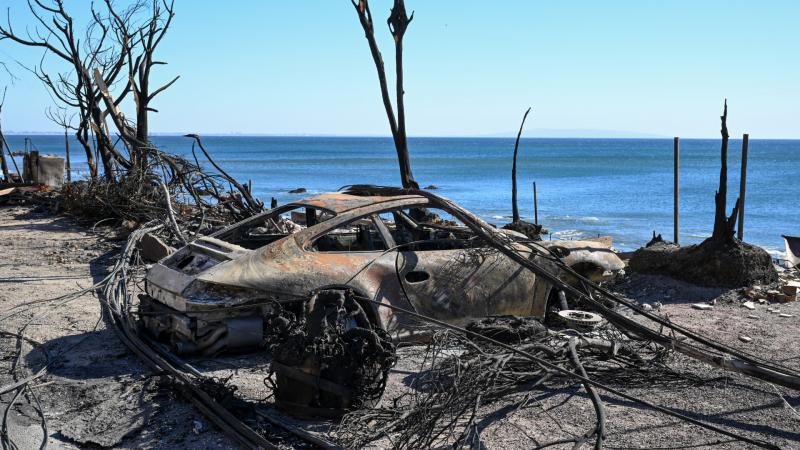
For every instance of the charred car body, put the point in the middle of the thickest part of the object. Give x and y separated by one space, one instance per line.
392 247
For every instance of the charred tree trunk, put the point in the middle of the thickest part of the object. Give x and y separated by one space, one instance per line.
103 145
82 135
3 163
723 225
139 74
531 230
514 207
398 23
68 167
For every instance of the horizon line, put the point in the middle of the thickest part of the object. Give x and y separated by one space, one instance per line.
643 136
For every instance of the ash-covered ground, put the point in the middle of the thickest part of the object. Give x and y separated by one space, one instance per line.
97 394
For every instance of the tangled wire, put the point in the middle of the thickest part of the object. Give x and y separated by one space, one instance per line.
465 374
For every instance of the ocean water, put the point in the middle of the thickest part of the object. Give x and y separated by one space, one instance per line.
586 187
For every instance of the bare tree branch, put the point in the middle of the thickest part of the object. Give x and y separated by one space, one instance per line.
514 208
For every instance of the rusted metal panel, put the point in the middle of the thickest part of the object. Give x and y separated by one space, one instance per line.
341 203
459 285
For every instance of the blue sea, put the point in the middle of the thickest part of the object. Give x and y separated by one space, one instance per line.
586 187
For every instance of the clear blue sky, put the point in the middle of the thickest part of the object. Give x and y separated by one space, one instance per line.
472 67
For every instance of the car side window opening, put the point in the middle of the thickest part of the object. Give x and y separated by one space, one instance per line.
362 235
264 229
419 229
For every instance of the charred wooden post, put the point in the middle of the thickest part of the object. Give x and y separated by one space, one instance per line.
398 23
535 206
742 184
676 190
514 208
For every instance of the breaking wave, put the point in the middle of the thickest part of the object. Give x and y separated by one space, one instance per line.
569 234
568 218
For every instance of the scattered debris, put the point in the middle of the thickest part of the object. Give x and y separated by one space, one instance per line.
153 249
580 319
197 427
442 410
755 293
745 339
791 290
508 329
702 306
749 305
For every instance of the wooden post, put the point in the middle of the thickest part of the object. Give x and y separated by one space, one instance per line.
676 188
535 206
742 184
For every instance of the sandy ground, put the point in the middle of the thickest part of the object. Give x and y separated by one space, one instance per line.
97 394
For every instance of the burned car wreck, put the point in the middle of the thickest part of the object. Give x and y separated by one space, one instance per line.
383 244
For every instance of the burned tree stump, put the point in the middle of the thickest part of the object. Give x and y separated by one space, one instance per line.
724 226
532 230
722 259
735 264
